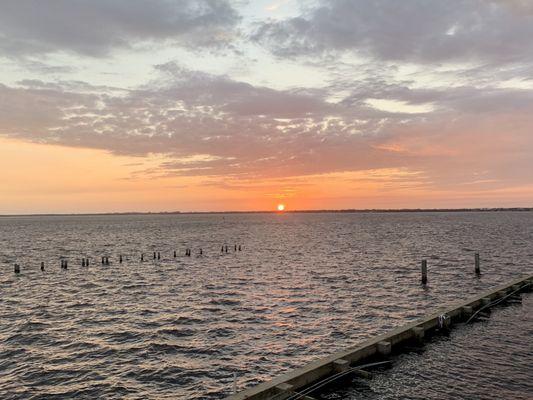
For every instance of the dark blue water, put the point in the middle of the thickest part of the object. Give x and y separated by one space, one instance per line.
303 286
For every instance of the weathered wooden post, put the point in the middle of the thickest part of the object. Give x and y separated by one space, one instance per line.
174 253
120 259
17 269
201 252
158 255
424 272
142 257
155 255
222 249
235 248
384 348
42 265
478 269
239 247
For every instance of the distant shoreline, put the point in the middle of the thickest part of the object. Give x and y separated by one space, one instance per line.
345 211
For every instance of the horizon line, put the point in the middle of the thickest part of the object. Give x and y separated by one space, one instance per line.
314 211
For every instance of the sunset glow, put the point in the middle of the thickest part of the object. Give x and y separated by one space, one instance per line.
200 107
281 207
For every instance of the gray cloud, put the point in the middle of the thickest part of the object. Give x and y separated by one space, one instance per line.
211 125
94 28
409 30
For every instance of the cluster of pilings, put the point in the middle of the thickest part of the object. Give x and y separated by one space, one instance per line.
105 259
225 248
424 269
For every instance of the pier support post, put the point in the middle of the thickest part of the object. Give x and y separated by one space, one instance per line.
486 301
384 348
477 268
424 270
42 265
120 259
174 253
418 334
16 269
466 312
289 389
142 257
341 365
502 293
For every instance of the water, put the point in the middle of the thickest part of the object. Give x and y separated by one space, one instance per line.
305 285
487 360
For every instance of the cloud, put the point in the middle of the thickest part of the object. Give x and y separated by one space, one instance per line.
420 31
211 126
96 27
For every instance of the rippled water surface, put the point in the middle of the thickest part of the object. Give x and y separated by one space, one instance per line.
487 360
303 286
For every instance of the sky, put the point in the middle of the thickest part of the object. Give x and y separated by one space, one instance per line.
218 105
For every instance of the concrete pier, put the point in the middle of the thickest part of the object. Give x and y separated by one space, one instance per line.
381 346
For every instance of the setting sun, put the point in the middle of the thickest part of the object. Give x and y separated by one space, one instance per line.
281 207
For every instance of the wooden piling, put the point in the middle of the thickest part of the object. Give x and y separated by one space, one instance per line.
174 253
477 268
418 333
341 365
424 268
158 255
120 259
16 269
384 348
42 265
142 257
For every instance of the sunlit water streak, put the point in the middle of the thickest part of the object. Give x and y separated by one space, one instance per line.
304 286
